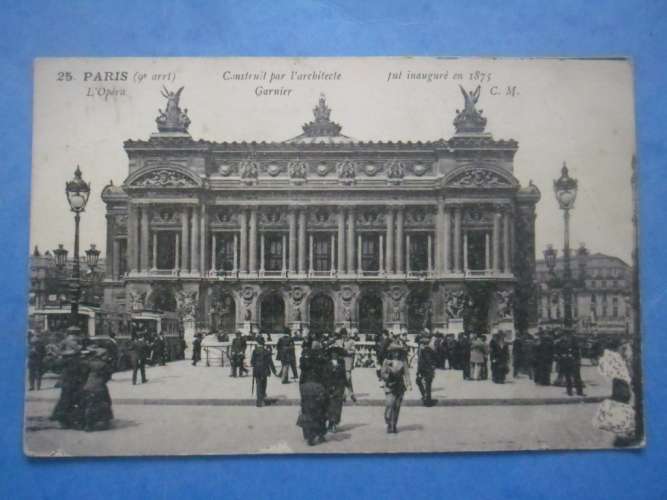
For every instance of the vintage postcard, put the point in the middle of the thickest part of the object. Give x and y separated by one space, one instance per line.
332 255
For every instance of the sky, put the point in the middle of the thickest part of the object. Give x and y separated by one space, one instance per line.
578 111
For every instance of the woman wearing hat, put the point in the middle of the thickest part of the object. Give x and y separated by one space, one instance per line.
394 373
95 398
68 410
478 351
313 417
336 381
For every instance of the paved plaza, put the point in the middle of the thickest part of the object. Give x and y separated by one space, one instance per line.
181 383
201 410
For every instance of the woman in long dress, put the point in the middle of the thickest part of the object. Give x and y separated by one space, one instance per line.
313 417
396 378
478 351
96 400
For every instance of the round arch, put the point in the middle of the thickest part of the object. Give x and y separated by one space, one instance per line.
162 297
371 312
272 312
418 305
223 311
321 313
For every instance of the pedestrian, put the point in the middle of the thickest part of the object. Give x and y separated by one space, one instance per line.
559 348
571 361
237 355
96 400
426 365
396 378
335 384
528 350
159 346
68 410
518 363
138 358
314 403
196 349
465 353
287 356
478 352
350 350
262 367
499 353
544 359
36 355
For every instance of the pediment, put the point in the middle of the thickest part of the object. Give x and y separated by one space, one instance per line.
163 176
480 177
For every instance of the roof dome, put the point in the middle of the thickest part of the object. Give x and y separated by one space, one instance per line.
321 130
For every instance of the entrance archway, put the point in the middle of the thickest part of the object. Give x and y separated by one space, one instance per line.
322 314
272 313
419 311
370 313
476 314
224 313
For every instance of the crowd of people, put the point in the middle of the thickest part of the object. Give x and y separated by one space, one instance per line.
324 369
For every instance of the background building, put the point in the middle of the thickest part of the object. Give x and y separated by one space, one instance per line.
323 231
602 293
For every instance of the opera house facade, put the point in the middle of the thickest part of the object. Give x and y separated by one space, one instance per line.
322 231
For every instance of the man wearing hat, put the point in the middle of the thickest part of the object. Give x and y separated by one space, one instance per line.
237 351
137 353
314 402
196 349
286 356
426 370
262 367
36 354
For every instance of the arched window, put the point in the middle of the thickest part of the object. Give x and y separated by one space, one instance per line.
322 314
370 313
272 313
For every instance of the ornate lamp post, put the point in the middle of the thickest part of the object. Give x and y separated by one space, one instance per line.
77 191
565 189
92 257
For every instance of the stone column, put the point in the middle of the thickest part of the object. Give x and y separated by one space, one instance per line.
446 243
430 254
381 254
262 255
185 242
236 254
194 241
310 254
243 220
341 242
203 261
440 238
252 239
291 217
177 257
302 241
131 236
333 253
487 251
350 241
145 236
457 240
154 249
283 248
214 251
116 260
465 251
389 264
108 263
407 253
496 243
359 263
506 242
400 241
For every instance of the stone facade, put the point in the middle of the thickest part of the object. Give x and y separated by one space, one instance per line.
324 231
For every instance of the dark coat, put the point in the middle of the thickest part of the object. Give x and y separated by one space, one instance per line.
286 353
427 361
262 362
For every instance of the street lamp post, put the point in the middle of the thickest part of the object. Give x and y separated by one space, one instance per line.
77 191
565 189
